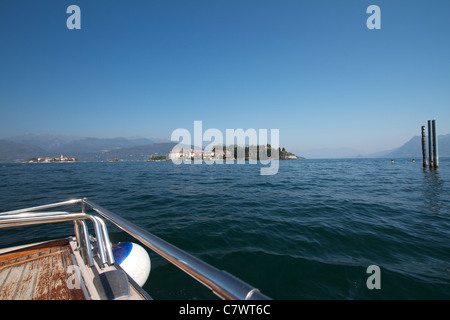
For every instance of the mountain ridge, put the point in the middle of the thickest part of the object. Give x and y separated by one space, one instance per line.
72 144
22 148
13 151
413 148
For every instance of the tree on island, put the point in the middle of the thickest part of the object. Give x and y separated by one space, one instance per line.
158 158
253 152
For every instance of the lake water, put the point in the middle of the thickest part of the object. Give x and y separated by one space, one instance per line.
308 232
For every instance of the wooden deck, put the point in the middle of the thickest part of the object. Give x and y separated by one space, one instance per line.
39 273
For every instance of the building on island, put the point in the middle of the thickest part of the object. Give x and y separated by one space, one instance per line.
195 154
222 153
53 159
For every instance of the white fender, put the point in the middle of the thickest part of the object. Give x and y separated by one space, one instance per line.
134 260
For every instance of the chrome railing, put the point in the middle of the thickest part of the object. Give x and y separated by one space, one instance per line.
26 218
221 283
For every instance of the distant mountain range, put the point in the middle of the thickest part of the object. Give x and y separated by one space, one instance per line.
14 152
64 144
413 149
22 148
410 149
136 153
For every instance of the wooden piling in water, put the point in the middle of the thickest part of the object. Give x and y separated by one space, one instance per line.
435 145
430 145
424 148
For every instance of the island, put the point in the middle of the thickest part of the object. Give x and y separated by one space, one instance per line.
52 159
286 155
158 158
231 152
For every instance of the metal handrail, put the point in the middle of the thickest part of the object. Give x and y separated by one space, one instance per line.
44 207
83 242
223 284
26 218
220 282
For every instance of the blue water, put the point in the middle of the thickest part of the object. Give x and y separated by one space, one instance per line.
308 232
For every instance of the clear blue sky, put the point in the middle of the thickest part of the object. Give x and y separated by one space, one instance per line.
310 68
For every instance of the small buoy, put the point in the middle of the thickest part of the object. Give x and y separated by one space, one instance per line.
392 161
134 260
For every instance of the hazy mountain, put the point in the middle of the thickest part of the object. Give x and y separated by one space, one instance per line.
16 152
100 145
12 151
413 148
45 141
22 148
137 153
67 144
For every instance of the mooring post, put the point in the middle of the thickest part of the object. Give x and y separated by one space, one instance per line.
424 148
435 145
430 145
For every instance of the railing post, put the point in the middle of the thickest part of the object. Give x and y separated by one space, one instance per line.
86 247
